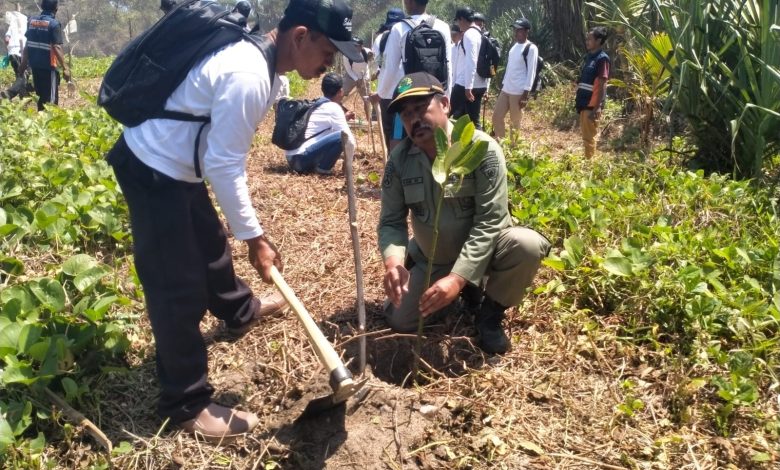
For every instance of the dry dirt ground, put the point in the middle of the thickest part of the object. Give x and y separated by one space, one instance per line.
550 403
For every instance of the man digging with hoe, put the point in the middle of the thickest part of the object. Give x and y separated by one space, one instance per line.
182 254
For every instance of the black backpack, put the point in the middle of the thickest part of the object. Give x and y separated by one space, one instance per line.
489 56
150 67
539 68
292 118
425 50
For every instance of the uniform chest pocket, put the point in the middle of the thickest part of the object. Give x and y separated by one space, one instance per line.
462 200
414 197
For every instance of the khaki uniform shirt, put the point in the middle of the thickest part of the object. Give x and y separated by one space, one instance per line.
470 221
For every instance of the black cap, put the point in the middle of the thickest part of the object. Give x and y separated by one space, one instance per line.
244 8
331 84
394 15
465 13
413 85
522 23
167 5
479 17
333 18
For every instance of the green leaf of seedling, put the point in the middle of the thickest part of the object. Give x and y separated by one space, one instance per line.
471 160
460 124
467 135
619 266
49 293
438 169
76 265
442 143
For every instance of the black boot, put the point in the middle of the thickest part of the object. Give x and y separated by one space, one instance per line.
492 338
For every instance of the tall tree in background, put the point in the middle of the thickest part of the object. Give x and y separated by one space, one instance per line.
568 28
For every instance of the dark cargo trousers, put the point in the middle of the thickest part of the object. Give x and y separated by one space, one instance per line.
459 105
184 262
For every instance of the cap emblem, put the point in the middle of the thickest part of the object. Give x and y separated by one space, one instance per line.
404 85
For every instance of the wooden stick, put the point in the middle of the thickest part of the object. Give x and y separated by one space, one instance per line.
381 131
353 231
369 108
76 417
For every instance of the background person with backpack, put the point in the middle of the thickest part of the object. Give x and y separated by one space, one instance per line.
322 126
519 77
357 75
393 16
420 42
43 53
470 87
182 254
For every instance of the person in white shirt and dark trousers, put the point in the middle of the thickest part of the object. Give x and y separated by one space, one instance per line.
322 146
519 77
393 69
181 249
469 86
357 75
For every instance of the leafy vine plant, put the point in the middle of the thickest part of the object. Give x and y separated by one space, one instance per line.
454 160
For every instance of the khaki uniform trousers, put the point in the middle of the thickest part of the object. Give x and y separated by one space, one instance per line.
511 104
362 89
590 132
518 255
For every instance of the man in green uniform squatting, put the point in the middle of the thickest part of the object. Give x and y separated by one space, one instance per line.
478 248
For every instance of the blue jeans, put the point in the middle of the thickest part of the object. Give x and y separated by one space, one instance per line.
321 156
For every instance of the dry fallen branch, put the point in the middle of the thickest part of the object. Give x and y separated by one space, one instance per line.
76 417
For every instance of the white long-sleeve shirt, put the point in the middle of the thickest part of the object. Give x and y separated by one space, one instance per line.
377 53
467 75
393 69
233 87
328 118
517 77
356 70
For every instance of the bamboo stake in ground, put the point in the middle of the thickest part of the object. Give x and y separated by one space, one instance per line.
353 230
369 108
381 126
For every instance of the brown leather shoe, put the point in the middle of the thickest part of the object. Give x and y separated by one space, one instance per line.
272 305
218 423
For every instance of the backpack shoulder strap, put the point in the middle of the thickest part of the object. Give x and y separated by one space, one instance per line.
525 53
268 49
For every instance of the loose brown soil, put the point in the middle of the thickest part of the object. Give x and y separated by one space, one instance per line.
549 403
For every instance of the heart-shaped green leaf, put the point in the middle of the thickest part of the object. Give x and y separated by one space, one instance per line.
87 279
77 264
49 293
